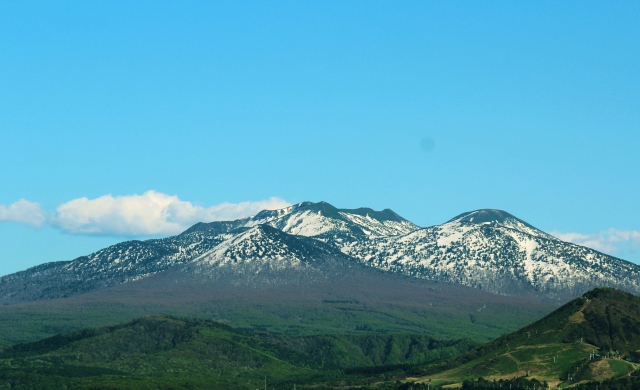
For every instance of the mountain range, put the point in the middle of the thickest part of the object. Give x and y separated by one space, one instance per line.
486 249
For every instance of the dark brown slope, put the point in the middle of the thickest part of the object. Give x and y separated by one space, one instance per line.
363 300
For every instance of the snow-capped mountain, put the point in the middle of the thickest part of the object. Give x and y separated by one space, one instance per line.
493 250
487 249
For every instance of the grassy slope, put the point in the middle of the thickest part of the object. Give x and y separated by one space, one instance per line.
162 352
602 320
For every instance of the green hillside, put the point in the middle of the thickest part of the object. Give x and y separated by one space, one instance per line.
594 337
167 352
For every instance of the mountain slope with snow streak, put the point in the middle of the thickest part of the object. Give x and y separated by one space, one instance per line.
498 257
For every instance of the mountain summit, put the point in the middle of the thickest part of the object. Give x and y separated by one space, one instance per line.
488 249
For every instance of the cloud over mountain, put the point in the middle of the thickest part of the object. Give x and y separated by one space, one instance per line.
611 241
152 213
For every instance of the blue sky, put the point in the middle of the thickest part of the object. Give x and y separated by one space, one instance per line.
428 108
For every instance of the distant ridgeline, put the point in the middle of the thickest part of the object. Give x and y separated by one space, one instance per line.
487 249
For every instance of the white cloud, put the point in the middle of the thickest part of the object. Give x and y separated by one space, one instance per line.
152 213
611 241
23 211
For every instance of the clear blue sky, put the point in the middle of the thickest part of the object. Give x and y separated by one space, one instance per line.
428 108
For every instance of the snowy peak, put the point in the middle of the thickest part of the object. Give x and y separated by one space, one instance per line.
498 218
